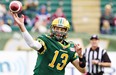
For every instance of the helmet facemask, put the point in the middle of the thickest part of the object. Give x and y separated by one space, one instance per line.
59 34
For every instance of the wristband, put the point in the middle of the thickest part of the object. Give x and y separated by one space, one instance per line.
81 59
82 62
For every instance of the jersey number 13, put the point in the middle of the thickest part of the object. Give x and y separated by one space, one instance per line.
59 66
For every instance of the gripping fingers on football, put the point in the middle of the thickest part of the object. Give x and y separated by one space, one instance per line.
14 14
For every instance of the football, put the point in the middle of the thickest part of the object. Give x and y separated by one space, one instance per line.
15 6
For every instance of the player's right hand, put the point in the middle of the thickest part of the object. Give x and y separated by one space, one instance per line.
17 19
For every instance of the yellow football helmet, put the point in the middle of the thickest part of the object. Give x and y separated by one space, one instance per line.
61 23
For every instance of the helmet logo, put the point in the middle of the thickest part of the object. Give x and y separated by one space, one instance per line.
60 22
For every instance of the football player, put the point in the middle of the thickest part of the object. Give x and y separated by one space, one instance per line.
53 51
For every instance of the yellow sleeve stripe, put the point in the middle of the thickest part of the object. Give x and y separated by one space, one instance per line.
75 55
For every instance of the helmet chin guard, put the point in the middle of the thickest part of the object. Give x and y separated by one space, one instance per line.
59 36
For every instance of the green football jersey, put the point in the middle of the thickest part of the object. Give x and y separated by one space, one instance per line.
53 57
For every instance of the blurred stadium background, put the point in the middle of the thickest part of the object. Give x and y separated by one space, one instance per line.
16 58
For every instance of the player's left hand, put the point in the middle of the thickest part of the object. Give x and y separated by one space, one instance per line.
78 50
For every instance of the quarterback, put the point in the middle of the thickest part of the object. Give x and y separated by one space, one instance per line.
53 51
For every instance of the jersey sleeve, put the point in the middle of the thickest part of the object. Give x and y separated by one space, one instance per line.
105 57
73 56
43 48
